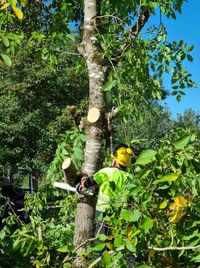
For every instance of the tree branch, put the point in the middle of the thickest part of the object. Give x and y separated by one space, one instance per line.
95 262
85 242
175 248
90 239
143 17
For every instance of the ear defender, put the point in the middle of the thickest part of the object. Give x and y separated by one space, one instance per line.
123 156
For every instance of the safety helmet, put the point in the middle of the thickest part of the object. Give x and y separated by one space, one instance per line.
123 155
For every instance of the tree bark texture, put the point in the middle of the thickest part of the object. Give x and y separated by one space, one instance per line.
90 50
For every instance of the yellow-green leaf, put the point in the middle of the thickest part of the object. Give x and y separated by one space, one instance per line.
6 5
176 216
24 3
163 204
13 3
168 177
146 157
18 13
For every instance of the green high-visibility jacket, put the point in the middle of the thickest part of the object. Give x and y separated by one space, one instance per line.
111 181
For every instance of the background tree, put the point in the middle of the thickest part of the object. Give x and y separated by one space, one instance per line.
35 101
190 118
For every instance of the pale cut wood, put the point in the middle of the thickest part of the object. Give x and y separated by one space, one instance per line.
93 115
40 233
69 171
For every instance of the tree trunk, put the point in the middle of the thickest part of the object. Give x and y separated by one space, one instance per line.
90 50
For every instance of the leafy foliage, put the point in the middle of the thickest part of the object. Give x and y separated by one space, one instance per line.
159 208
72 146
156 220
37 242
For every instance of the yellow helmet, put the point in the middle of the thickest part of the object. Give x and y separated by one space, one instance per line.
123 155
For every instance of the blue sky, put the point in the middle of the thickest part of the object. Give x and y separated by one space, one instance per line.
186 27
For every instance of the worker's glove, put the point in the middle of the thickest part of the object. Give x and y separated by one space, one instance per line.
85 191
83 180
79 177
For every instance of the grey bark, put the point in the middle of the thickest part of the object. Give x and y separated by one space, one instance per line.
90 50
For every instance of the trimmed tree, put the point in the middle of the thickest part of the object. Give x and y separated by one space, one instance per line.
118 57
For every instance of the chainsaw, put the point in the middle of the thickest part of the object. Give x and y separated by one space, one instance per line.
76 189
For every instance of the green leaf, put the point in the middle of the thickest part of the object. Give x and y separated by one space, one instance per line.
106 258
145 157
144 173
109 85
152 66
71 37
195 223
182 92
16 244
63 249
162 9
180 43
193 137
189 49
189 237
98 247
196 258
78 153
130 217
2 234
178 98
130 245
189 57
102 237
6 59
118 241
153 4
29 248
181 143
174 92
5 41
167 178
147 225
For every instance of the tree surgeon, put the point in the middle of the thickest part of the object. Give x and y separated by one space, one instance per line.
110 180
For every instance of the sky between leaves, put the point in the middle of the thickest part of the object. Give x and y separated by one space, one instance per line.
185 27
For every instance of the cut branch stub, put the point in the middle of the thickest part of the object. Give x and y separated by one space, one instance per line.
93 115
69 171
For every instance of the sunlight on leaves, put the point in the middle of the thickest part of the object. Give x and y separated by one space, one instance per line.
177 209
18 13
